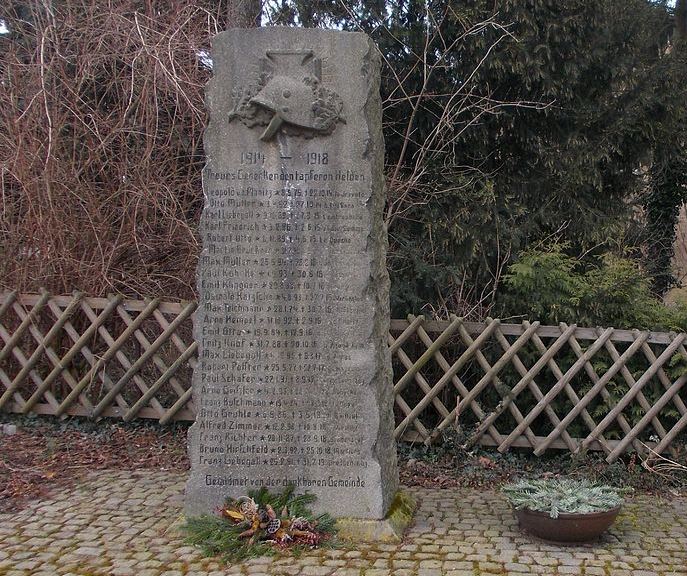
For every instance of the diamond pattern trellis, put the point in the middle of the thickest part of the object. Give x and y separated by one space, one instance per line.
96 357
547 386
504 385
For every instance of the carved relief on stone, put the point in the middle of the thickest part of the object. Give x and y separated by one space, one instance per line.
288 95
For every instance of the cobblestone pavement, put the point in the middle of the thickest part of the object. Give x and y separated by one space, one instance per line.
122 523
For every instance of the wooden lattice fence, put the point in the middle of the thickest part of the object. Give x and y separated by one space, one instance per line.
96 357
504 385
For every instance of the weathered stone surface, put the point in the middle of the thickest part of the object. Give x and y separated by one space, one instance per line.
293 379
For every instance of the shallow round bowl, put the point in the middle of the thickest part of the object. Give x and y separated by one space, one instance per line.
567 527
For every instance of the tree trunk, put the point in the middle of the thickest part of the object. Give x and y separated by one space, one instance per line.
681 20
244 13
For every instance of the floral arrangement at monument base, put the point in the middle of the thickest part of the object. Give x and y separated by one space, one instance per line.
261 523
564 510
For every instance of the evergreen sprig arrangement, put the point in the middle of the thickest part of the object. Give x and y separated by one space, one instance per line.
260 524
562 496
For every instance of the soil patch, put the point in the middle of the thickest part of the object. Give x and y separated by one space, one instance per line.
45 454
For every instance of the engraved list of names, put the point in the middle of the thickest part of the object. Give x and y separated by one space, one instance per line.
292 384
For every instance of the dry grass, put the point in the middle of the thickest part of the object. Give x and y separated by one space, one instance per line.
669 470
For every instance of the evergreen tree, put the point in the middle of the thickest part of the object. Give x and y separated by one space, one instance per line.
509 121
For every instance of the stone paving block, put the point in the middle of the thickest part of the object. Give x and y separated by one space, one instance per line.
353 554
261 560
359 563
374 554
322 571
124 571
519 568
452 565
88 551
569 570
425 556
335 553
290 570
27 565
402 563
544 560
489 567
429 564
477 558
426 572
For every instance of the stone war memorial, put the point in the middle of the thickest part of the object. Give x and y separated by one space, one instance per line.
293 384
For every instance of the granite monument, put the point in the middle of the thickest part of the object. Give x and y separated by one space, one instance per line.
293 382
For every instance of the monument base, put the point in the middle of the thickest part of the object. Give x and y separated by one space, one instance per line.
389 529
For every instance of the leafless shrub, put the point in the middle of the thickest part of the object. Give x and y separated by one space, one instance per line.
101 119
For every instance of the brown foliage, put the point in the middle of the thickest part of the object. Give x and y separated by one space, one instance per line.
101 120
